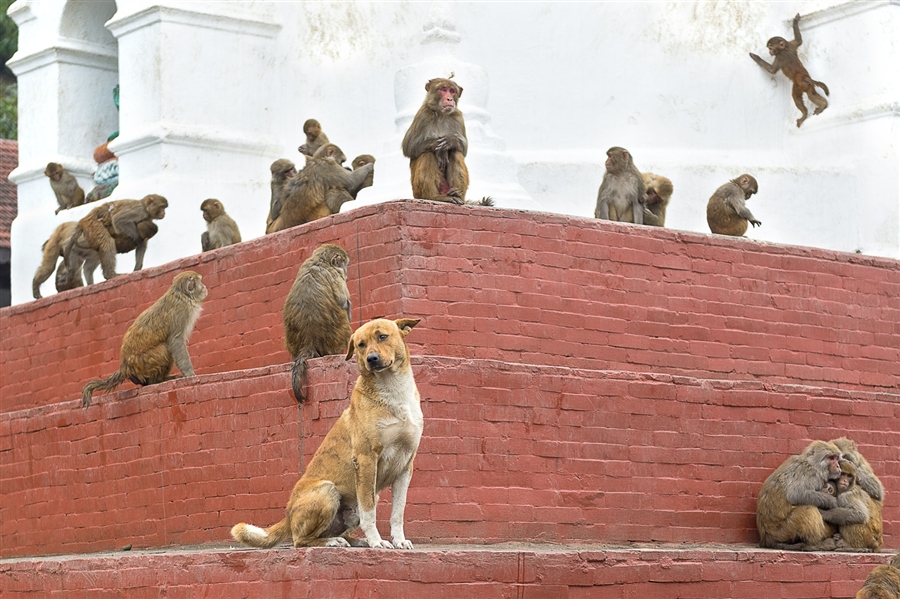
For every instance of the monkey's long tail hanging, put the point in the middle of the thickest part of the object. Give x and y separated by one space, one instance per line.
107 384
298 373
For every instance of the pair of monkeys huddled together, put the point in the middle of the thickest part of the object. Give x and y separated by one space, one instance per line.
317 315
628 196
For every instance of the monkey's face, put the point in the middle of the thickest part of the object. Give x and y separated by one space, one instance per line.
652 197
206 215
776 45
845 482
54 173
448 98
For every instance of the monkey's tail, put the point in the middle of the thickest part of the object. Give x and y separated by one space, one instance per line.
107 384
298 373
484 201
822 85
264 538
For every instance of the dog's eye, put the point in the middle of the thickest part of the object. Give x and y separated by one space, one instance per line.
361 345
382 337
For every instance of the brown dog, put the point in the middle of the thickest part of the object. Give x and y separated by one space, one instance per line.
370 447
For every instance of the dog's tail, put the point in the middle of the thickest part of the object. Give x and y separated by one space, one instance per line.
260 537
298 373
107 384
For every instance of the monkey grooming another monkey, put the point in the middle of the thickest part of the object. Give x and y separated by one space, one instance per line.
157 340
726 212
221 230
315 138
303 198
622 189
658 193
65 186
788 512
113 227
786 59
317 311
436 145
338 196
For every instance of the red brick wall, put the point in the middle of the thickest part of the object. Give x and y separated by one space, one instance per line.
511 453
517 572
505 285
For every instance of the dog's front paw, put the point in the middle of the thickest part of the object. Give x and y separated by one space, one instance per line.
402 544
381 544
337 542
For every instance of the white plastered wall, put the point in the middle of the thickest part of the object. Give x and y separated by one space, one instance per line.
213 92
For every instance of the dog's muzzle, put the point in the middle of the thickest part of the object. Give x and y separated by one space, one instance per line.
375 363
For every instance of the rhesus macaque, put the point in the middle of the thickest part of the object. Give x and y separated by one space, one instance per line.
282 170
66 280
883 582
221 230
659 192
336 197
857 516
303 198
115 225
868 535
787 509
622 190
786 59
315 138
830 488
865 477
726 212
436 145
157 340
53 250
317 311
65 186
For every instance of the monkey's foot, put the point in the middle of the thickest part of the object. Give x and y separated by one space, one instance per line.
800 121
819 109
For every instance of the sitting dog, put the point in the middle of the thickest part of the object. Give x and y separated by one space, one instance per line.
370 447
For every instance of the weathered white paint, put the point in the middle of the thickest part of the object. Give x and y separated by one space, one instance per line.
213 92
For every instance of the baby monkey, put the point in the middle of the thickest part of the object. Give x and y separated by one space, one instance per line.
786 59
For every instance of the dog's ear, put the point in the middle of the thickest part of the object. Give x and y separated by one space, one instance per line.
406 324
350 347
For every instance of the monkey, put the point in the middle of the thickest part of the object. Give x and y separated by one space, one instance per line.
336 197
787 509
116 225
68 193
317 311
221 230
315 138
865 477
157 340
726 212
282 170
436 145
303 198
66 280
830 488
658 193
857 516
883 582
786 59
622 189
53 250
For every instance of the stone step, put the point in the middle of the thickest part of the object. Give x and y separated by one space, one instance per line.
507 571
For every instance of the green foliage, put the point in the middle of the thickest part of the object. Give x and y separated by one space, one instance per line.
9 33
9 120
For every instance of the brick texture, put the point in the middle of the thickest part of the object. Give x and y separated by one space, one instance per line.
504 285
519 572
510 453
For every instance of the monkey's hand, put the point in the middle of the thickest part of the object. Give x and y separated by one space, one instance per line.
755 57
756 223
57 210
797 17
441 144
